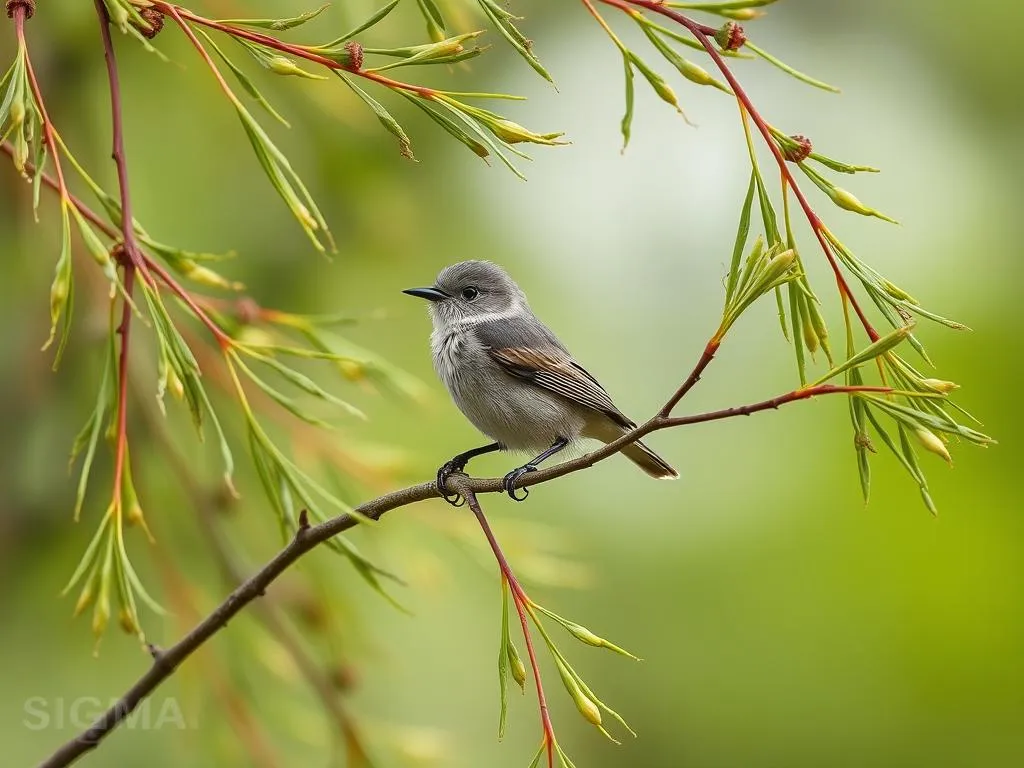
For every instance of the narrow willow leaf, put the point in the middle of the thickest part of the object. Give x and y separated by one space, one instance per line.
62 291
308 385
502 21
486 137
374 19
789 70
742 233
797 319
89 437
136 582
627 118
89 557
503 661
390 124
287 182
687 69
246 83
841 167
278 24
451 127
436 25
879 347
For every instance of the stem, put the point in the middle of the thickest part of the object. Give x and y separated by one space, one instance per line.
37 94
179 14
703 35
691 380
522 601
133 256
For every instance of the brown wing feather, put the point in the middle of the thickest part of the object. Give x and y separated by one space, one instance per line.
556 371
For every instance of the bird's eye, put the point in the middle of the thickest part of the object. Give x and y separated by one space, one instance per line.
470 293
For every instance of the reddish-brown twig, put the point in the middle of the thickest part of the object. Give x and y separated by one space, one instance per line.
521 601
180 15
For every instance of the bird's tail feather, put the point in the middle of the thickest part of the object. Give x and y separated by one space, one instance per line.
649 461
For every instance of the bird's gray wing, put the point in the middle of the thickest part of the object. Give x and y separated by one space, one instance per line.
526 349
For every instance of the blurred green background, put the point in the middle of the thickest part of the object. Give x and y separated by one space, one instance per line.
782 622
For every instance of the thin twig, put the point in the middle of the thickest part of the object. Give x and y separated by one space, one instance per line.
307 538
521 601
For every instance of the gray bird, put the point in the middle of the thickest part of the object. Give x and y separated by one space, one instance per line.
512 377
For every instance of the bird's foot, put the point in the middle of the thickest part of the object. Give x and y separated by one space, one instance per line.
446 470
509 483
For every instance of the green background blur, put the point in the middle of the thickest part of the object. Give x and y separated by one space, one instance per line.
782 623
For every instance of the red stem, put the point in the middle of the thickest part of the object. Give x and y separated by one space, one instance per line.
19 27
691 380
179 14
521 600
767 405
703 34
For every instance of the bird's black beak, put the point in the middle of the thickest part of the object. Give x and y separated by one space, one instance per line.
430 294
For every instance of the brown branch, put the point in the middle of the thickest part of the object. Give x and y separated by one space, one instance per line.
307 537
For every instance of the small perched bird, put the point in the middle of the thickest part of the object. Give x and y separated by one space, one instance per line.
513 378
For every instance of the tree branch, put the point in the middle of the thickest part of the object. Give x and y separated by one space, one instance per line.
165 662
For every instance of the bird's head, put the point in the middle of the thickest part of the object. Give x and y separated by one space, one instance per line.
468 290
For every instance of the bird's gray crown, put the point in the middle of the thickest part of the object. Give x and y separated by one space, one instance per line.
475 289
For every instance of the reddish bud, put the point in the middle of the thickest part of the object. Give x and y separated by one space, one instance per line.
28 5
731 37
355 55
799 153
154 18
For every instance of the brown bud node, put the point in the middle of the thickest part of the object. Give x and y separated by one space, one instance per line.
154 18
731 37
355 55
28 5
119 254
248 311
800 152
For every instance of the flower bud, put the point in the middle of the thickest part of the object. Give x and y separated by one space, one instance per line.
128 622
17 110
810 338
800 152
83 599
155 20
352 370
741 14
849 202
101 615
513 133
932 442
516 666
731 37
938 385
350 56
28 5
590 711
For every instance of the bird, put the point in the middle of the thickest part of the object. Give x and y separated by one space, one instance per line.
513 379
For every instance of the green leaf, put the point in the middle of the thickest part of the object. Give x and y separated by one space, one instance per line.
246 83
374 19
627 118
62 290
279 24
390 124
880 347
503 661
789 70
88 437
742 233
451 127
502 21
